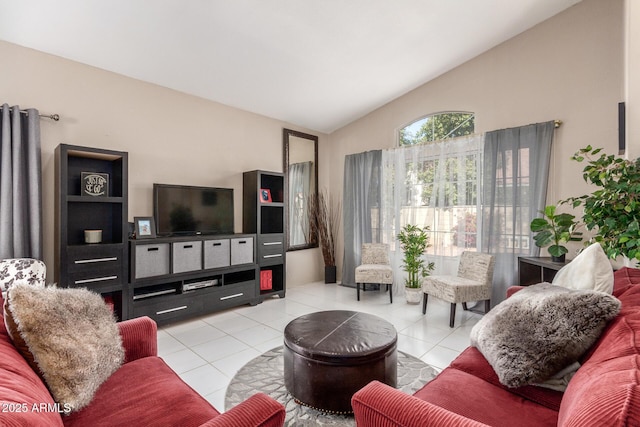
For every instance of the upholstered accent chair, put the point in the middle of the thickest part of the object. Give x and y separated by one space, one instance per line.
472 283
21 270
375 267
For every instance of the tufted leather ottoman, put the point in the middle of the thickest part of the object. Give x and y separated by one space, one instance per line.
329 355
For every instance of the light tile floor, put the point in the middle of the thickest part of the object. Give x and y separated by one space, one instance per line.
207 351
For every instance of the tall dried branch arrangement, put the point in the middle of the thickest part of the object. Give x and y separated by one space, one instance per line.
324 222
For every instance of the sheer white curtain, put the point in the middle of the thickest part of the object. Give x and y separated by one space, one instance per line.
435 185
299 190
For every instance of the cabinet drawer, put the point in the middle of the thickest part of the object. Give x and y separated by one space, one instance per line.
152 260
94 258
216 253
96 278
271 244
271 259
230 296
187 256
242 250
167 308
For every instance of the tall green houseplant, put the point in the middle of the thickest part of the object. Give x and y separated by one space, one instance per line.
414 241
613 209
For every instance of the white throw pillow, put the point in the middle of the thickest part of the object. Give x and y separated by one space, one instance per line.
590 270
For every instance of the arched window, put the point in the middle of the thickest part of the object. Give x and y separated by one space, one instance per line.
437 127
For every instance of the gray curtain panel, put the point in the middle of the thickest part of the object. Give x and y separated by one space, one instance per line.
361 212
515 175
20 184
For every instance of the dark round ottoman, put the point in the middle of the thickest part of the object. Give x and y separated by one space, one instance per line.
329 355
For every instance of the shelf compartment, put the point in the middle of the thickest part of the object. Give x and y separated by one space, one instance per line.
275 184
277 279
271 219
213 282
95 216
85 161
239 277
172 288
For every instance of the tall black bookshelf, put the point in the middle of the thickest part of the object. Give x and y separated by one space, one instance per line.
91 194
264 215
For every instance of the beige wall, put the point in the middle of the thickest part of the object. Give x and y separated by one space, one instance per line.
632 79
570 67
170 137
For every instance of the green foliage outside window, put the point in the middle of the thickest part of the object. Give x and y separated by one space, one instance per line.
437 128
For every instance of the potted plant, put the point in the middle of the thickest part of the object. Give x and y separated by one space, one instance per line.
613 209
324 222
553 230
414 241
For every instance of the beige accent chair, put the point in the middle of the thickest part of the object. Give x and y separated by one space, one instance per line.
375 267
473 283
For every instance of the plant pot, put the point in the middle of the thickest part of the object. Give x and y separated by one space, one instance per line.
560 258
413 295
330 274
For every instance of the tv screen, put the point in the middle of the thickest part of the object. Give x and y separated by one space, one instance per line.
181 209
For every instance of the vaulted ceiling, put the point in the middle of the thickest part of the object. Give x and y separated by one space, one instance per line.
319 64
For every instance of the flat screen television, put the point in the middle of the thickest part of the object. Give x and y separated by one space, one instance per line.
187 210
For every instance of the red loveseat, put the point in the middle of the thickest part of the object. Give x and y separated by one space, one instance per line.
143 392
605 390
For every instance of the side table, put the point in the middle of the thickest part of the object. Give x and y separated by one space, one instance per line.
532 270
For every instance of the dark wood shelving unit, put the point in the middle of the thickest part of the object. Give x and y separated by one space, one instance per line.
175 278
100 267
266 219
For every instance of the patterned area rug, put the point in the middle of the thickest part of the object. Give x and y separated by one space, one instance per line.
265 374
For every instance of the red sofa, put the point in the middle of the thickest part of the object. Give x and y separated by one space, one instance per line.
143 392
605 390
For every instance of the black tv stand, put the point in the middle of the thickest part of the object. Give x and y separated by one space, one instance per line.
178 277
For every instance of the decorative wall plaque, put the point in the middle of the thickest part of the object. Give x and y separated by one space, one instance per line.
95 184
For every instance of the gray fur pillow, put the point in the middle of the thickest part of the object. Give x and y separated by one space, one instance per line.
541 330
68 336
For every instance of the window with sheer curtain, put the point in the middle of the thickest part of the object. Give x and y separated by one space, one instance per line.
476 192
434 185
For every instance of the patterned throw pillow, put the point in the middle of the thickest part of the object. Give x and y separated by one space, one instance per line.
21 270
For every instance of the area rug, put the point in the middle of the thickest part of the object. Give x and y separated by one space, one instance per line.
265 374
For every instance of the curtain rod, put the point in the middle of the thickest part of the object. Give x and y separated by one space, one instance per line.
54 117
557 123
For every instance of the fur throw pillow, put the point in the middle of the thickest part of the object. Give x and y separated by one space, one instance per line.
541 330
68 336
